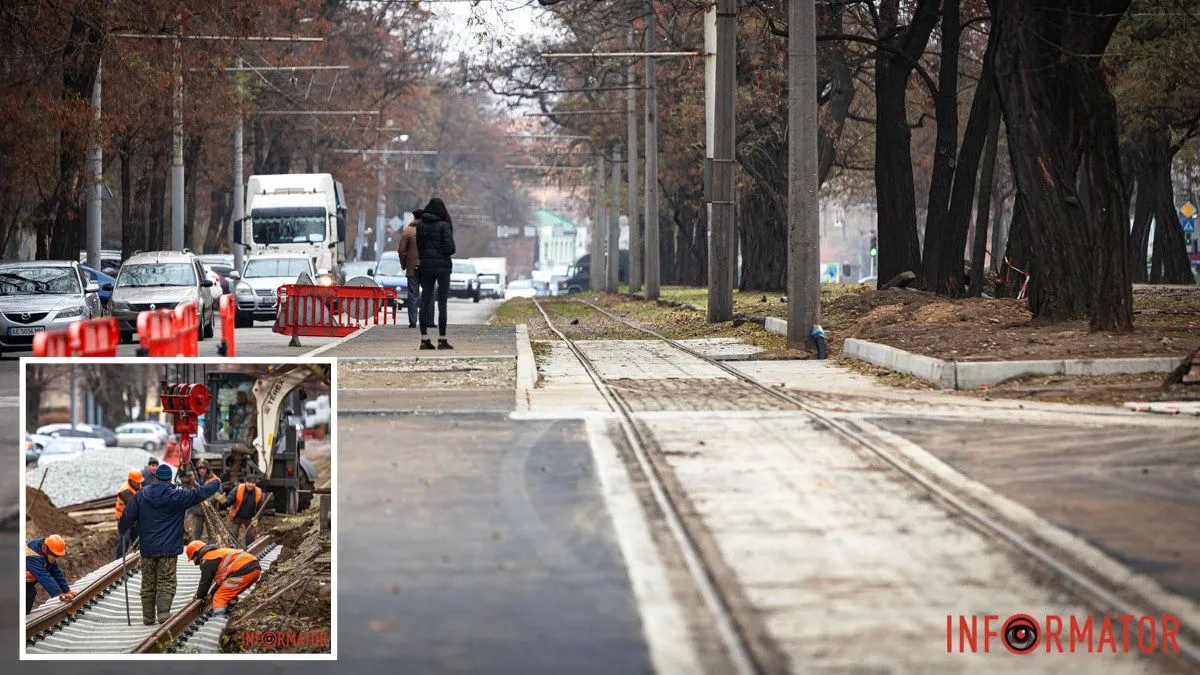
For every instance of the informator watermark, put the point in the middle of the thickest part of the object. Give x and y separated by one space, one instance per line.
282 640
1055 633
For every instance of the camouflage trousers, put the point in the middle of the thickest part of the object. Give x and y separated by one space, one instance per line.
158 588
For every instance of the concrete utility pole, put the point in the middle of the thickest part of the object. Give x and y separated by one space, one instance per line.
177 243
613 259
653 262
239 183
804 235
720 284
631 163
96 174
595 266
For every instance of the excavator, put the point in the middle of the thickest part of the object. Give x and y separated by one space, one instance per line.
253 428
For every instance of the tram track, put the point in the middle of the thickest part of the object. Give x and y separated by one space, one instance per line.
96 620
748 653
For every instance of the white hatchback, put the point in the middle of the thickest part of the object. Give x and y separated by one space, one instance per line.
149 437
62 450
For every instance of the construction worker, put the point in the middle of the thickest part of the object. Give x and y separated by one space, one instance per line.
202 476
150 468
227 570
133 483
41 567
157 511
241 418
243 509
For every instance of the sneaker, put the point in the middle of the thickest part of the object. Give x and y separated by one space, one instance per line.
442 344
412 325
426 344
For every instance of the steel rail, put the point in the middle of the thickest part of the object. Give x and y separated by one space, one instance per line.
1088 588
744 660
171 630
41 624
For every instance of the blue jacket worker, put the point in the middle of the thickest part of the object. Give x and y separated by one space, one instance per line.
41 567
158 511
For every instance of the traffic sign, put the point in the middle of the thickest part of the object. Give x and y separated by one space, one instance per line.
1188 210
1189 226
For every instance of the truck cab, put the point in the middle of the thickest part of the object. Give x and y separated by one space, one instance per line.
296 213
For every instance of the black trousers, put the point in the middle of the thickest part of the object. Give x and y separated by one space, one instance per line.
30 595
428 282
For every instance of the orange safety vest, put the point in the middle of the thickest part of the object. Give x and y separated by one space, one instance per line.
30 553
120 508
237 499
232 560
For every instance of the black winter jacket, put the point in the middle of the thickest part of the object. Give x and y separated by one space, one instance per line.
435 244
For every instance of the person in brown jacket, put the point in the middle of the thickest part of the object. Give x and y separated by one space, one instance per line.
410 261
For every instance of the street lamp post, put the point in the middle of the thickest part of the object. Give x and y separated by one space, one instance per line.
381 208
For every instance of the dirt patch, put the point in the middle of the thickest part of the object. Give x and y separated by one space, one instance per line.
87 549
293 599
1105 390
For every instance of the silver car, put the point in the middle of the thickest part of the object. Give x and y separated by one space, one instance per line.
161 280
143 435
43 296
257 286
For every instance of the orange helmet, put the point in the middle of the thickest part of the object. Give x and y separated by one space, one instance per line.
192 548
56 545
135 476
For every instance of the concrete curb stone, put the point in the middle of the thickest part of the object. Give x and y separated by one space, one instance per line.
526 368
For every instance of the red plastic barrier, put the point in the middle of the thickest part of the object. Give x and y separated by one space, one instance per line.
156 333
96 337
228 324
53 343
187 328
332 311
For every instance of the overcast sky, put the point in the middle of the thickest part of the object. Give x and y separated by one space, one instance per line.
463 21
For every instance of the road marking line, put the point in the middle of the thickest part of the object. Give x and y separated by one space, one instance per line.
663 619
331 345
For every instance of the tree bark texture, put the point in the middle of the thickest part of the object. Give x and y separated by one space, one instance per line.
899 245
1061 119
944 272
191 159
984 208
1169 263
1015 263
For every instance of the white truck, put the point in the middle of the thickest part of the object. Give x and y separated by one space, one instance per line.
296 213
493 276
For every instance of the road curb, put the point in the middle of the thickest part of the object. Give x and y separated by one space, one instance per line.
526 368
966 375
322 349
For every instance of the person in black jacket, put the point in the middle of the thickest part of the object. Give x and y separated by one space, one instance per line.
435 247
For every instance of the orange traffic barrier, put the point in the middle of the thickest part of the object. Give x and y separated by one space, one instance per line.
228 324
332 311
52 343
156 333
187 328
96 337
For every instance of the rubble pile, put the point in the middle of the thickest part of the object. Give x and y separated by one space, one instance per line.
97 473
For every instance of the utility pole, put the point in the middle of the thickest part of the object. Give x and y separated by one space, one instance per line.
96 174
595 267
177 243
804 236
653 261
239 184
381 209
631 163
613 259
720 284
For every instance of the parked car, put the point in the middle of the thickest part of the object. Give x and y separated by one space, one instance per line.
161 280
62 450
258 283
220 283
389 274
81 431
521 288
43 296
33 447
464 281
357 268
100 279
149 437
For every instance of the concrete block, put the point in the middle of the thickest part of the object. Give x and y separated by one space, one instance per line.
1154 364
526 367
936 371
973 374
774 325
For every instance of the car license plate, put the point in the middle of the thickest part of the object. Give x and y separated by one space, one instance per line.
26 330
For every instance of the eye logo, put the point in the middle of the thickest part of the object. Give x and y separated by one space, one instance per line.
1021 634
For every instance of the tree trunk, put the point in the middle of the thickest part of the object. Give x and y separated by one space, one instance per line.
899 246
131 234
837 79
983 209
191 160
1139 238
944 272
220 210
156 229
1170 259
1057 104
1015 263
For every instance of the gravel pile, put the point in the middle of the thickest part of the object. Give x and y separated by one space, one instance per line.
98 473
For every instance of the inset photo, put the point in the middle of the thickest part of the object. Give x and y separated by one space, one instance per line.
178 508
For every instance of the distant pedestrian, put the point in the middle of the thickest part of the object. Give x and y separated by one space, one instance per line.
243 509
435 246
133 483
149 469
226 571
410 262
157 511
41 567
